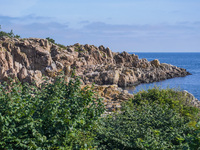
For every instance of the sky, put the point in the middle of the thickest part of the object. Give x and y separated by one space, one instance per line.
121 25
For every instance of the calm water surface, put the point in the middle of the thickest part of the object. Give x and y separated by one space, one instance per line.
189 61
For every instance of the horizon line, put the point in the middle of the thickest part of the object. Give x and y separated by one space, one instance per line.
163 52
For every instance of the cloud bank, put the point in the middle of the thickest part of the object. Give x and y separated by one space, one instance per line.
180 36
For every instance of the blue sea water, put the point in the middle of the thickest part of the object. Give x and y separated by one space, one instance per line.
189 61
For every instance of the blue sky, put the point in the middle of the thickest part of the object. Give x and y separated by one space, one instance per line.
122 25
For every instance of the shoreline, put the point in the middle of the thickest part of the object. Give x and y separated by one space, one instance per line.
31 59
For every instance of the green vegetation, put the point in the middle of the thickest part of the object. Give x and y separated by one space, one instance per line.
8 34
53 41
78 48
56 116
154 119
147 127
62 115
175 99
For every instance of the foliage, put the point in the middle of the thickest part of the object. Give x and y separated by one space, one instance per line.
150 122
146 127
194 138
56 116
175 99
8 34
53 41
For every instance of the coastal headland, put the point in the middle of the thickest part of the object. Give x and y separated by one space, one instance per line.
31 59
46 104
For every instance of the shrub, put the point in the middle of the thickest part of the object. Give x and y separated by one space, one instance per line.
153 119
146 127
56 116
8 34
53 41
175 99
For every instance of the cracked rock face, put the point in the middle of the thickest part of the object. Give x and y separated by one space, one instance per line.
30 59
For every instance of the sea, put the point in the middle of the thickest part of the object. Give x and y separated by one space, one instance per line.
189 61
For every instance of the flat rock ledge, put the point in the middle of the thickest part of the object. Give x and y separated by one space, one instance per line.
32 58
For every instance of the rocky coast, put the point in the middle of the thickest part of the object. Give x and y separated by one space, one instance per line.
32 58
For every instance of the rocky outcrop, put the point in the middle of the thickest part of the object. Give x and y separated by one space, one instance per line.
30 59
190 99
112 96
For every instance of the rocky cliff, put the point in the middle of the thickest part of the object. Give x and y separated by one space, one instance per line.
30 59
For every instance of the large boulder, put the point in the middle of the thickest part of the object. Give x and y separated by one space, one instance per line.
155 63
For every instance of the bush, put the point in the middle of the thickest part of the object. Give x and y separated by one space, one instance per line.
61 115
147 123
8 34
53 41
55 116
175 99
146 127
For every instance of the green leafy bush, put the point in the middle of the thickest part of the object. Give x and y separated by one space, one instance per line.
62 115
146 127
175 99
151 120
56 116
194 138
